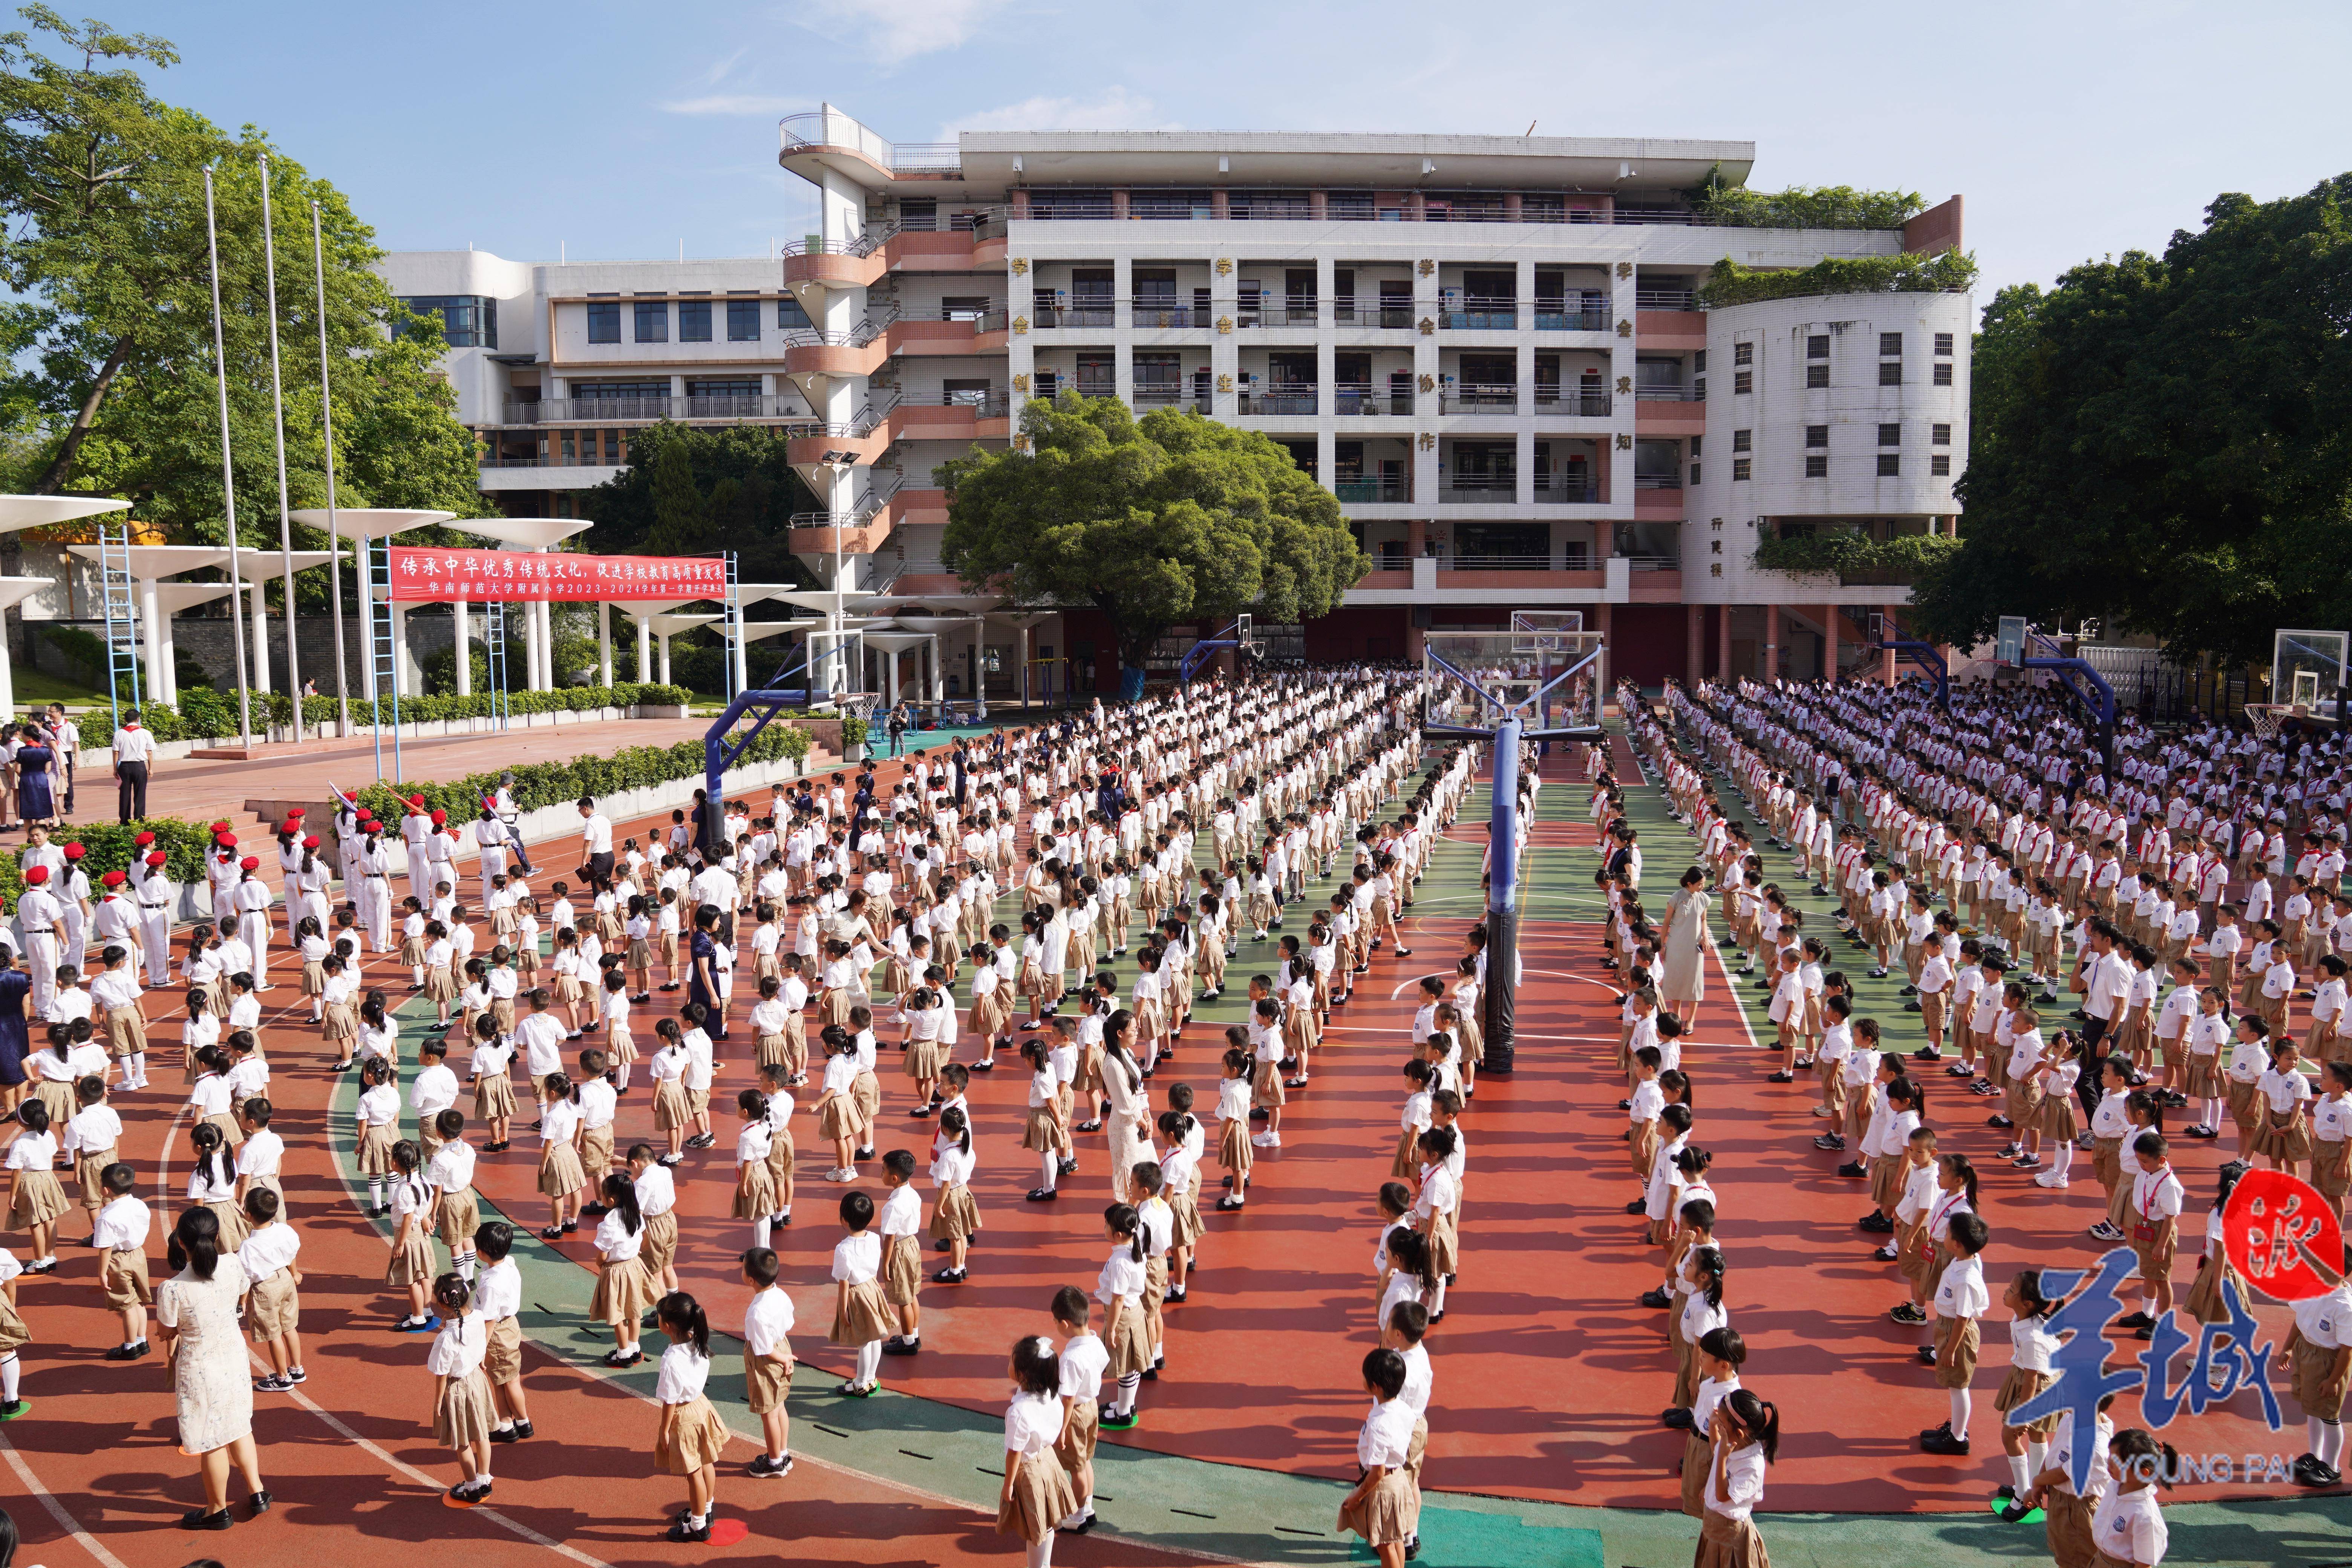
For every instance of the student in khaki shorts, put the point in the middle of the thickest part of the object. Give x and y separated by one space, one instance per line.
1960 1300
768 1361
273 1303
120 1231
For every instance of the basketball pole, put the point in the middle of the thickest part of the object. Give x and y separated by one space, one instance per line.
1502 904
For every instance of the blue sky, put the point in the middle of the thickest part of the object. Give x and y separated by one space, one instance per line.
2074 129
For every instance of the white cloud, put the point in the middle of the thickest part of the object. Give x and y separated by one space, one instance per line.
727 103
894 31
718 73
1116 109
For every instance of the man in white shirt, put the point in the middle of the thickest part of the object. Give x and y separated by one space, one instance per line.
503 803
134 752
67 741
595 838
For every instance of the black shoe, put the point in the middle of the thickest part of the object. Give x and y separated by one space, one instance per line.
951 1276
1927 1355
1878 1224
505 1435
1044 1194
771 1470
1678 1417
197 1519
1655 1299
1853 1168
1942 1441
1636 1206
684 1531
899 1345
2135 1321
1831 1141
1926 1054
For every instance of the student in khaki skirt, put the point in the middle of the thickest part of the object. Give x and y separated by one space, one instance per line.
1120 1289
1235 1153
274 1303
497 1298
1384 1508
781 1157
2318 1354
2283 1136
212 1182
954 1213
862 1316
623 1288
1719 1356
755 1179
2031 1345
1960 1302
562 1173
2066 1516
410 1269
768 1361
690 1436
462 1408
1745 1439
1037 1495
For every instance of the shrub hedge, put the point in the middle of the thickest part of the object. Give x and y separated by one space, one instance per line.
202 714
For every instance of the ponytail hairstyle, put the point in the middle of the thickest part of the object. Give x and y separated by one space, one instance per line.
2028 1286
621 1195
2137 1450
40 1123
1035 1367
372 1011
956 1124
1761 1419
1693 1162
2229 1176
194 1243
1964 1172
752 1104
1123 1221
1676 1084
213 1162
1905 1091
679 1310
1177 1126
1032 1051
1709 1261
1438 1144
666 1029
2152 1106
451 1291
1409 1254
559 1087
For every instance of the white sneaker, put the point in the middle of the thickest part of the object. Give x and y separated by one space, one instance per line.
1261 1139
840 1176
2051 1179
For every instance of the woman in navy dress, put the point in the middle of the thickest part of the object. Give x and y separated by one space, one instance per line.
14 1043
701 979
35 799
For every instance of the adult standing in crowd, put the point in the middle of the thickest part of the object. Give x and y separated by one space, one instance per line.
66 737
134 752
211 1383
596 837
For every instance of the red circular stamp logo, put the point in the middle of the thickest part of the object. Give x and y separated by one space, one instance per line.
2281 1236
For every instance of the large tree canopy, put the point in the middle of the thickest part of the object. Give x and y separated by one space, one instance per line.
111 385
691 488
2165 443
1155 522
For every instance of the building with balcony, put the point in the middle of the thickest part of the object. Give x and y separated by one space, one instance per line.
1490 349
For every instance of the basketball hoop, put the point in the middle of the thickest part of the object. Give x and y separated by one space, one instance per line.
858 704
2268 716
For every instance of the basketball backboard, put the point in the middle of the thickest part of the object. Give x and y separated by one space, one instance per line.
1475 677
2307 667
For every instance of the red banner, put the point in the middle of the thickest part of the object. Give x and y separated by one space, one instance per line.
489 576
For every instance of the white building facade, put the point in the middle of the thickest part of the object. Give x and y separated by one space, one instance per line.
1488 347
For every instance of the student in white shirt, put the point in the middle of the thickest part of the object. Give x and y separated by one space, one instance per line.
768 1361
462 1405
1960 1302
691 1434
1744 1439
273 1308
1385 1506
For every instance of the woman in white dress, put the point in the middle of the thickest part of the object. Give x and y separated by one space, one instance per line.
211 1383
1683 982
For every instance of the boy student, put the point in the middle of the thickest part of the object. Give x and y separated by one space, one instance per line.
1788 1012
2152 1227
274 1307
900 1223
1082 1362
768 1362
120 1233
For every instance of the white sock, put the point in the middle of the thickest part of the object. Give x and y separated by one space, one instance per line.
1041 1552
621 1076
465 1267
869 1363
416 974
2019 1481
760 1233
1437 1302
2064 1153
1051 1167
10 1370
1129 1387
2213 1113
2037 1457
1961 1405
375 1192
2147 1305
138 1065
2331 1447
2316 1433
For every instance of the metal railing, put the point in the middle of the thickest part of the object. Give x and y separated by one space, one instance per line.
1574 400
873 238
1558 489
1092 313
1160 393
873 326
1501 316
1657 482
1663 300
554 460
1267 311
1362 398
1560 319
590 410
1150 315
990 405
1374 491
1481 400
1348 313
1660 393
831 128
1485 489
1287 401
1486 563
1048 205
1651 563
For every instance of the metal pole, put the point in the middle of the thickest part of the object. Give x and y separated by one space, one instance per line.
334 539
228 476
1502 904
278 402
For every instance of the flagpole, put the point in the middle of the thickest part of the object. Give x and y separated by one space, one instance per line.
278 400
334 537
229 478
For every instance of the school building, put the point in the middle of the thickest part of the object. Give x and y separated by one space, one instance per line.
1491 348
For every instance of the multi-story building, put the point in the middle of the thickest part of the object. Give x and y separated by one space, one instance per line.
1490 348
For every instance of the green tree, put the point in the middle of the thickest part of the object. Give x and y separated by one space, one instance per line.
1175 518
692 487
2160 442
113 383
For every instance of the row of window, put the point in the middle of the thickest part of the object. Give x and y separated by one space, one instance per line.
1817 466
1817 353
1889 435
693 318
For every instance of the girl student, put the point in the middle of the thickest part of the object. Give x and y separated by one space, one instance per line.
1046 1132
463 1408
1744 1439
1719 1356
838 1117
2250 1057
2283 1136
1960 1302
211 1182
411 1266
924 1011
1120 1287
339 1019
690 1436
440 978
862 1314
620 1048
35 1199
1702 1312
1436 1211
755 1178
2054 1117
1037 1495
1178 1167
1236 1152
954 1214
673 1111
623 1288
2206 1300
2031 1345
562 1173
493 1087
566 988
770 1024
2331 1134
